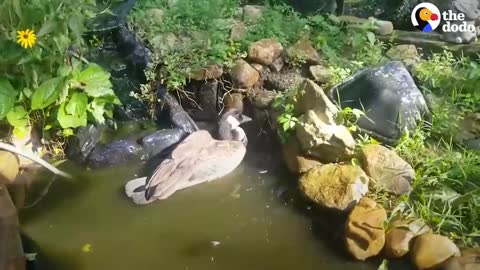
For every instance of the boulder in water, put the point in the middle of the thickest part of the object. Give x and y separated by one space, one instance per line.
388 96
115 153
160 140
79 146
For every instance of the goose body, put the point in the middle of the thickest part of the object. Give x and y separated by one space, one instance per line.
198 158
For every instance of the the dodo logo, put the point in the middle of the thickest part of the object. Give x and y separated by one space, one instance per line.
426 17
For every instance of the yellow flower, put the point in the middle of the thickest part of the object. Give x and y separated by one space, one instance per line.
26 38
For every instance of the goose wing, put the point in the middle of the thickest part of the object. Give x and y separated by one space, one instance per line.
207 161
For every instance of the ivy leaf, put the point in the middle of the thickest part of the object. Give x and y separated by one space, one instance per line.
18 118
8 96
47 93
95 81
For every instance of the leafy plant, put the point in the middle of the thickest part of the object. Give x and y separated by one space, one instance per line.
286 119
50 85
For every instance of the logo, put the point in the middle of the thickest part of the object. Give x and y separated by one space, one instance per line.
426 17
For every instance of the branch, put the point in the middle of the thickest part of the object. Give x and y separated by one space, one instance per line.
15 150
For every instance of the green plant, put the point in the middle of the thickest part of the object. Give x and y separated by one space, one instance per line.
50 85
286 119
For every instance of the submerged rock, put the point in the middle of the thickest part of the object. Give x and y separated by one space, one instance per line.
327 142
335 186
399 237
430 250
387 169
244 75
388 95
160 140
86 138
116 153
364 233
265 51
11 251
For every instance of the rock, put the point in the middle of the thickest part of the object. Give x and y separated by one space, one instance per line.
265 51
383 28
284 80
238 32
334 186
303 49
258 67
407 53
321 74
234 100
387 169
401 233
296 163
364 232
469 131
11 250
79 146
388 95
277 64
426 257
210 72
9 167
327 142
160 140
471 11
252 13
207 96
264 99
178 116
310 96
116 153
469 260
243 75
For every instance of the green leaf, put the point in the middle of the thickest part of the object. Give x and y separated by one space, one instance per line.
18 118
77 104
8 96
95 81
47 28
371 37
73 114
47 93
75 24
97 109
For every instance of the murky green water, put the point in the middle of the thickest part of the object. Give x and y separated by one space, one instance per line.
248 220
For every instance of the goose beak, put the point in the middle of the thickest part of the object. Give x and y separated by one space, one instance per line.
244 119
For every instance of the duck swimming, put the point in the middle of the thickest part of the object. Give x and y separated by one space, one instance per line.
198 158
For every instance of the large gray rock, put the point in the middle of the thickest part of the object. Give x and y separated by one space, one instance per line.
389 97
116 153
160 140
327 142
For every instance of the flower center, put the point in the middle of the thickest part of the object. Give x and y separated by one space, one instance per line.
25 36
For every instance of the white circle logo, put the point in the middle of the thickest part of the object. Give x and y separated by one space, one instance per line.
426 17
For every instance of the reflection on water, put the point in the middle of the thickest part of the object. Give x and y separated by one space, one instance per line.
244 221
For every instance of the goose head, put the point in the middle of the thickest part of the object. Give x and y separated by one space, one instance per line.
229 126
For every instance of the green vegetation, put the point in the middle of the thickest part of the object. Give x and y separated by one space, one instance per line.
46 85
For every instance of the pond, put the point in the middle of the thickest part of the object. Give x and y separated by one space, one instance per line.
251 219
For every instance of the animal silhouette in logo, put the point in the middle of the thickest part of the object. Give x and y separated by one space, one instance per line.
426 17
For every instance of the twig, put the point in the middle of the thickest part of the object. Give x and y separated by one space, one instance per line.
13 149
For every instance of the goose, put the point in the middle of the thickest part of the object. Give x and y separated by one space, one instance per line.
197 159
